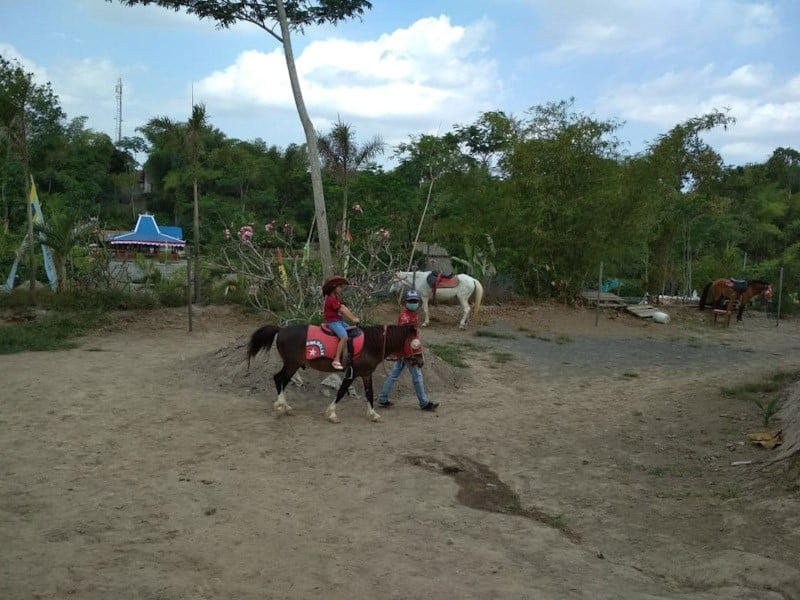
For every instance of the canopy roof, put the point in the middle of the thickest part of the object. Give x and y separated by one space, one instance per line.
148 233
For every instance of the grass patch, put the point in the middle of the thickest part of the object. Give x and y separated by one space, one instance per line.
563 339
727 493
630 374
449 353
556 522
756 391
502 357
536 336
495 334
51 332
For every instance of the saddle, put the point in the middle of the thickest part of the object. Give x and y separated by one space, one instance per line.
437 280
738 285
321 342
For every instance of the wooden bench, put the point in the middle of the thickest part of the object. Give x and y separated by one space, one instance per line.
721 316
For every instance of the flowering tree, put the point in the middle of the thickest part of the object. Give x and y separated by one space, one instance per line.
286 283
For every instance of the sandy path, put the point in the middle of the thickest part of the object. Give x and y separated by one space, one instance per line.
134 467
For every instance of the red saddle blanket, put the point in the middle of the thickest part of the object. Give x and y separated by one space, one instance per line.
322 344
443 281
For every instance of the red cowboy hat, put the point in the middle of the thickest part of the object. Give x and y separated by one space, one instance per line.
332 282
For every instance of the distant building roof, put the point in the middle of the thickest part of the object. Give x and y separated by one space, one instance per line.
148 233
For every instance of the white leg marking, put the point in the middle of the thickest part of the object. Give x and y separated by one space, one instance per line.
281 406
372 415
330 413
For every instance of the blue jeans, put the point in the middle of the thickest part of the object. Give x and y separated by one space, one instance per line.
416 378
338 327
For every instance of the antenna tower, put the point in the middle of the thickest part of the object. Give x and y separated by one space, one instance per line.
119 110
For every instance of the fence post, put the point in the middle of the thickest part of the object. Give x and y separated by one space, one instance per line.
599 289
780 290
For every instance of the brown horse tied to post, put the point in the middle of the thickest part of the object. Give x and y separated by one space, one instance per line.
299 347
724 293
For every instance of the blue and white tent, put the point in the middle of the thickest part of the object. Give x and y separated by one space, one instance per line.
148 233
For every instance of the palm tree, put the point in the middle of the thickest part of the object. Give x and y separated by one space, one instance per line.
183 144
61 234
342 157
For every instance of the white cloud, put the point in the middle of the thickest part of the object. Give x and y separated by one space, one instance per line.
747 76
766 109
429 72
10 53
589 28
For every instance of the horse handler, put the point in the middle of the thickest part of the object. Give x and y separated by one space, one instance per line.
412 357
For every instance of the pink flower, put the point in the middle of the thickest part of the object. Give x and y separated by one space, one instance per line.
269 227
246 233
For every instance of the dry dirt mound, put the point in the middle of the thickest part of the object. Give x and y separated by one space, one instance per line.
789 418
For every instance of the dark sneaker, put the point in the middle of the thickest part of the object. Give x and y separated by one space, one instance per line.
386 404
431 406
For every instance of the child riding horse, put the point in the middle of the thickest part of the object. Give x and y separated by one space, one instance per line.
302 346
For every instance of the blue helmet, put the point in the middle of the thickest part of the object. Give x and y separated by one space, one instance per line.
411 299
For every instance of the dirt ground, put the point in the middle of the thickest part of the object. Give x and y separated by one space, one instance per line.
577 456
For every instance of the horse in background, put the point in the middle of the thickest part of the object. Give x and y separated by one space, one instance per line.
302 346
725 293
431 285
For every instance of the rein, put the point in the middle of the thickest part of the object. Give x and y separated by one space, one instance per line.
383 352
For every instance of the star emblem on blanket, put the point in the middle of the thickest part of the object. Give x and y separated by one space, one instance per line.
314 349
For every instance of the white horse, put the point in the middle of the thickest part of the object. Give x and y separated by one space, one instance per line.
418 280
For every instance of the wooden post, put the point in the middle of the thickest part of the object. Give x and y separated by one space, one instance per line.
780 290
599 289
189 287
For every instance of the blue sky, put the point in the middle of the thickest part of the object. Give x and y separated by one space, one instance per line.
421 66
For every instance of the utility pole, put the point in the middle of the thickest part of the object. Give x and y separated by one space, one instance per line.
118 118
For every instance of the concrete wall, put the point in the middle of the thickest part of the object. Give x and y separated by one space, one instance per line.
128 270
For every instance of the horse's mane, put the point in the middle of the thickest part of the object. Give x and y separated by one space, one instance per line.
396 335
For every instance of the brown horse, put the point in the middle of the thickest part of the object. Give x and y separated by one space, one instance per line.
301 346
725 293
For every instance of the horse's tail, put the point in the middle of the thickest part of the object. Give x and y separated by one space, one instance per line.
704 295
478 297
261 338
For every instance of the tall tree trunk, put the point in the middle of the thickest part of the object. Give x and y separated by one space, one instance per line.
311 142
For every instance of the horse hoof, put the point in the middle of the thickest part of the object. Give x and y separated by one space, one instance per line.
333 418
373 416
289 411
